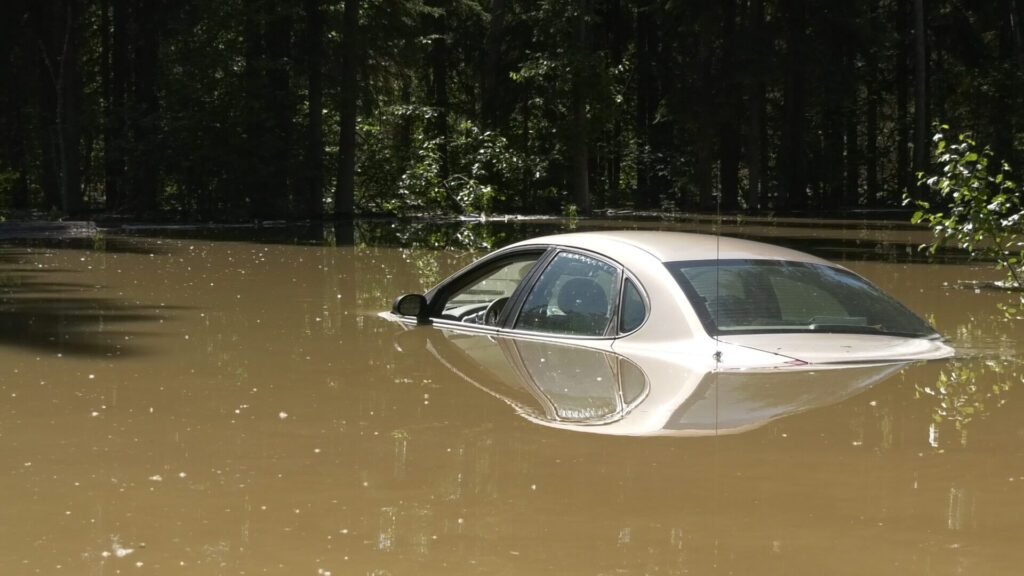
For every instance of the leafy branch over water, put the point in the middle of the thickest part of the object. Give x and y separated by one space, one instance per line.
977 205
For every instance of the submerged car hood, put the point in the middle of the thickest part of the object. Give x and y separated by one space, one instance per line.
820 348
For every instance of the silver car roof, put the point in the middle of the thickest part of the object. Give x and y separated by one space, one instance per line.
677 246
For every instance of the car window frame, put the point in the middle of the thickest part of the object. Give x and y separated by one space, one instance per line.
512 310
439 295
626 275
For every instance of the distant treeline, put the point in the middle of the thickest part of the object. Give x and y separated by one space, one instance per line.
240 109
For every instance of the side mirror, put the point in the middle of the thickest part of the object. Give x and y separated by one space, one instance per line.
411 305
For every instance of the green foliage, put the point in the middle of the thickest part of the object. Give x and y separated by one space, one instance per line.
481 166
485 160
202 109
1012 310
422 187
978 207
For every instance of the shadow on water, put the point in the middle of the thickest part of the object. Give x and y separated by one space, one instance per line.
863 239
100 243
60 317
342 233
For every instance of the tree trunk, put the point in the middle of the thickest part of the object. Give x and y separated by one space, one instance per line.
580 125
903 169
851 117
1003 125
57 29
1013 17
649 183
491 77
345 187
404 127
792 169
828 171
706 126
277 106
618 31
249 161
312 200
921 131
144 168
114 133
728 99
757 129
20 56
850 82
72 89
17 155
439 87
873 88
106 91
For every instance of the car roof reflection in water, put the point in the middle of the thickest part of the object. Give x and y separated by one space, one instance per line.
587 390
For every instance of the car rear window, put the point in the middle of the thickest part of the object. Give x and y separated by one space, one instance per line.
763 296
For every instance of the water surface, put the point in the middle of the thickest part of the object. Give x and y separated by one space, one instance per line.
229 406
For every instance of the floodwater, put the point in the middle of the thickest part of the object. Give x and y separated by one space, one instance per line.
180 405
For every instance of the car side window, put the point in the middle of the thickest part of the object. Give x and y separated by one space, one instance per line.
633 308
575 296
482 299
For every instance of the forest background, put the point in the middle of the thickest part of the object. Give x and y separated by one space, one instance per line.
305 109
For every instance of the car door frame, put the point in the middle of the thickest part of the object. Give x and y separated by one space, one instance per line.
506 321
438 296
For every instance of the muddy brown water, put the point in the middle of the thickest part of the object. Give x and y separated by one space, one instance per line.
191 406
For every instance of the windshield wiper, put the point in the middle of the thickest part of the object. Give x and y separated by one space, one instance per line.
861 329
845 328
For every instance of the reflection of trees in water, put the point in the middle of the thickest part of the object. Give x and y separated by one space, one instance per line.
973 385
18 249
970 388
967 390
1013 309
442 235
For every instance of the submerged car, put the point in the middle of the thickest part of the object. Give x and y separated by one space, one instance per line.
720 303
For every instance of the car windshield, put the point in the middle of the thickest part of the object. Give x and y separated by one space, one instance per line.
764 296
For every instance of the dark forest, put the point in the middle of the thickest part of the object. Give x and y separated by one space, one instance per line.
303 109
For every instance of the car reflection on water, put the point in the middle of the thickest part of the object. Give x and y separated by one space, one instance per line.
589 390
